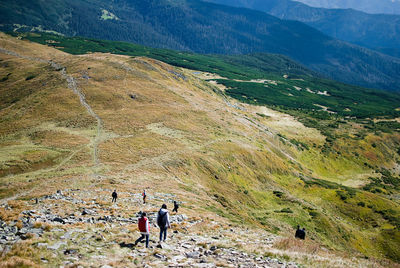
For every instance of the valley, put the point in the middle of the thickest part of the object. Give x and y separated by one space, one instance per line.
247 166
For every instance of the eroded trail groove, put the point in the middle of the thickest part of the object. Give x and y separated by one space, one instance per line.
74 87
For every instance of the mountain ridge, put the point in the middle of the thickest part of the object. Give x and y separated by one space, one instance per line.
375 31
209 28
369 6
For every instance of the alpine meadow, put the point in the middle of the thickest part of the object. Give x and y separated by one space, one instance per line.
184 133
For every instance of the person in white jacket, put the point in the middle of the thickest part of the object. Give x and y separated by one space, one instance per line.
163 222
144 228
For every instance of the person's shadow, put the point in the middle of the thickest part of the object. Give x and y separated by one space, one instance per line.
132 245
126 245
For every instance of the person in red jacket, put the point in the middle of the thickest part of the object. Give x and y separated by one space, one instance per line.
144 228
144 196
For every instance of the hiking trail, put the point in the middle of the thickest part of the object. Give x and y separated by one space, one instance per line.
72 84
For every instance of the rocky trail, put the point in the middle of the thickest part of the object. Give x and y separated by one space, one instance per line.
82 227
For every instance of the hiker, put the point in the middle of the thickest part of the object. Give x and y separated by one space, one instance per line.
300 234
176 206
144 196
144 229
297 234
114 196
163 222
303 234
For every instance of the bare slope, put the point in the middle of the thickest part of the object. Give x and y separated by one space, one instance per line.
89 124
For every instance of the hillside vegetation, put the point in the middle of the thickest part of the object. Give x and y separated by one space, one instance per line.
369 6
246 174
192 25
266 79
376 31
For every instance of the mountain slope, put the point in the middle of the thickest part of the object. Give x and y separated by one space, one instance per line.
207 28
244 73
165 129
379 32
369 6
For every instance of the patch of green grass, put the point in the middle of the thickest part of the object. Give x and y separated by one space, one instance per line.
284 210
321 183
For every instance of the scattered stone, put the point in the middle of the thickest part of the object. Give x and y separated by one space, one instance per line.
56 246
193 255
58 219
160 256
187 246
87 212
70 251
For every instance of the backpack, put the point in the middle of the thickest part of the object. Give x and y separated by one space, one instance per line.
162 219
142 224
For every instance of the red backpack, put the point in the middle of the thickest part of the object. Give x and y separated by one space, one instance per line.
142 224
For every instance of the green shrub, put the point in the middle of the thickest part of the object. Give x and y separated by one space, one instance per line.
30 77
284 210
278 193
313 214
361 204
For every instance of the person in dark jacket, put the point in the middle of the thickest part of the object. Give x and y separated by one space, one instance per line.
297 234
300 234
303 234
114 196
176 206
163 222
144 228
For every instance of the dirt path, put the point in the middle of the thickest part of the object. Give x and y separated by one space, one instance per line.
74 87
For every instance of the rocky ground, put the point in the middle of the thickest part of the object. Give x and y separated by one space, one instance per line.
80 227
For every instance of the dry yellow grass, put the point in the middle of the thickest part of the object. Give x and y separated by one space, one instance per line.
15 261
159 133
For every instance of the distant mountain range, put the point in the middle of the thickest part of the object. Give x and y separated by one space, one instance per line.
204 28
369 6
378 32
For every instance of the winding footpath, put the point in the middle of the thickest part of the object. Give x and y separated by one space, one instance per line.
74 87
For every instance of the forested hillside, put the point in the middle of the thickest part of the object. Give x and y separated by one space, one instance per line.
376 31
206 28
369 6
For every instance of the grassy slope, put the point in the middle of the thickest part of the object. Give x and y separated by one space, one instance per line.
297 94
360 101
179 136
